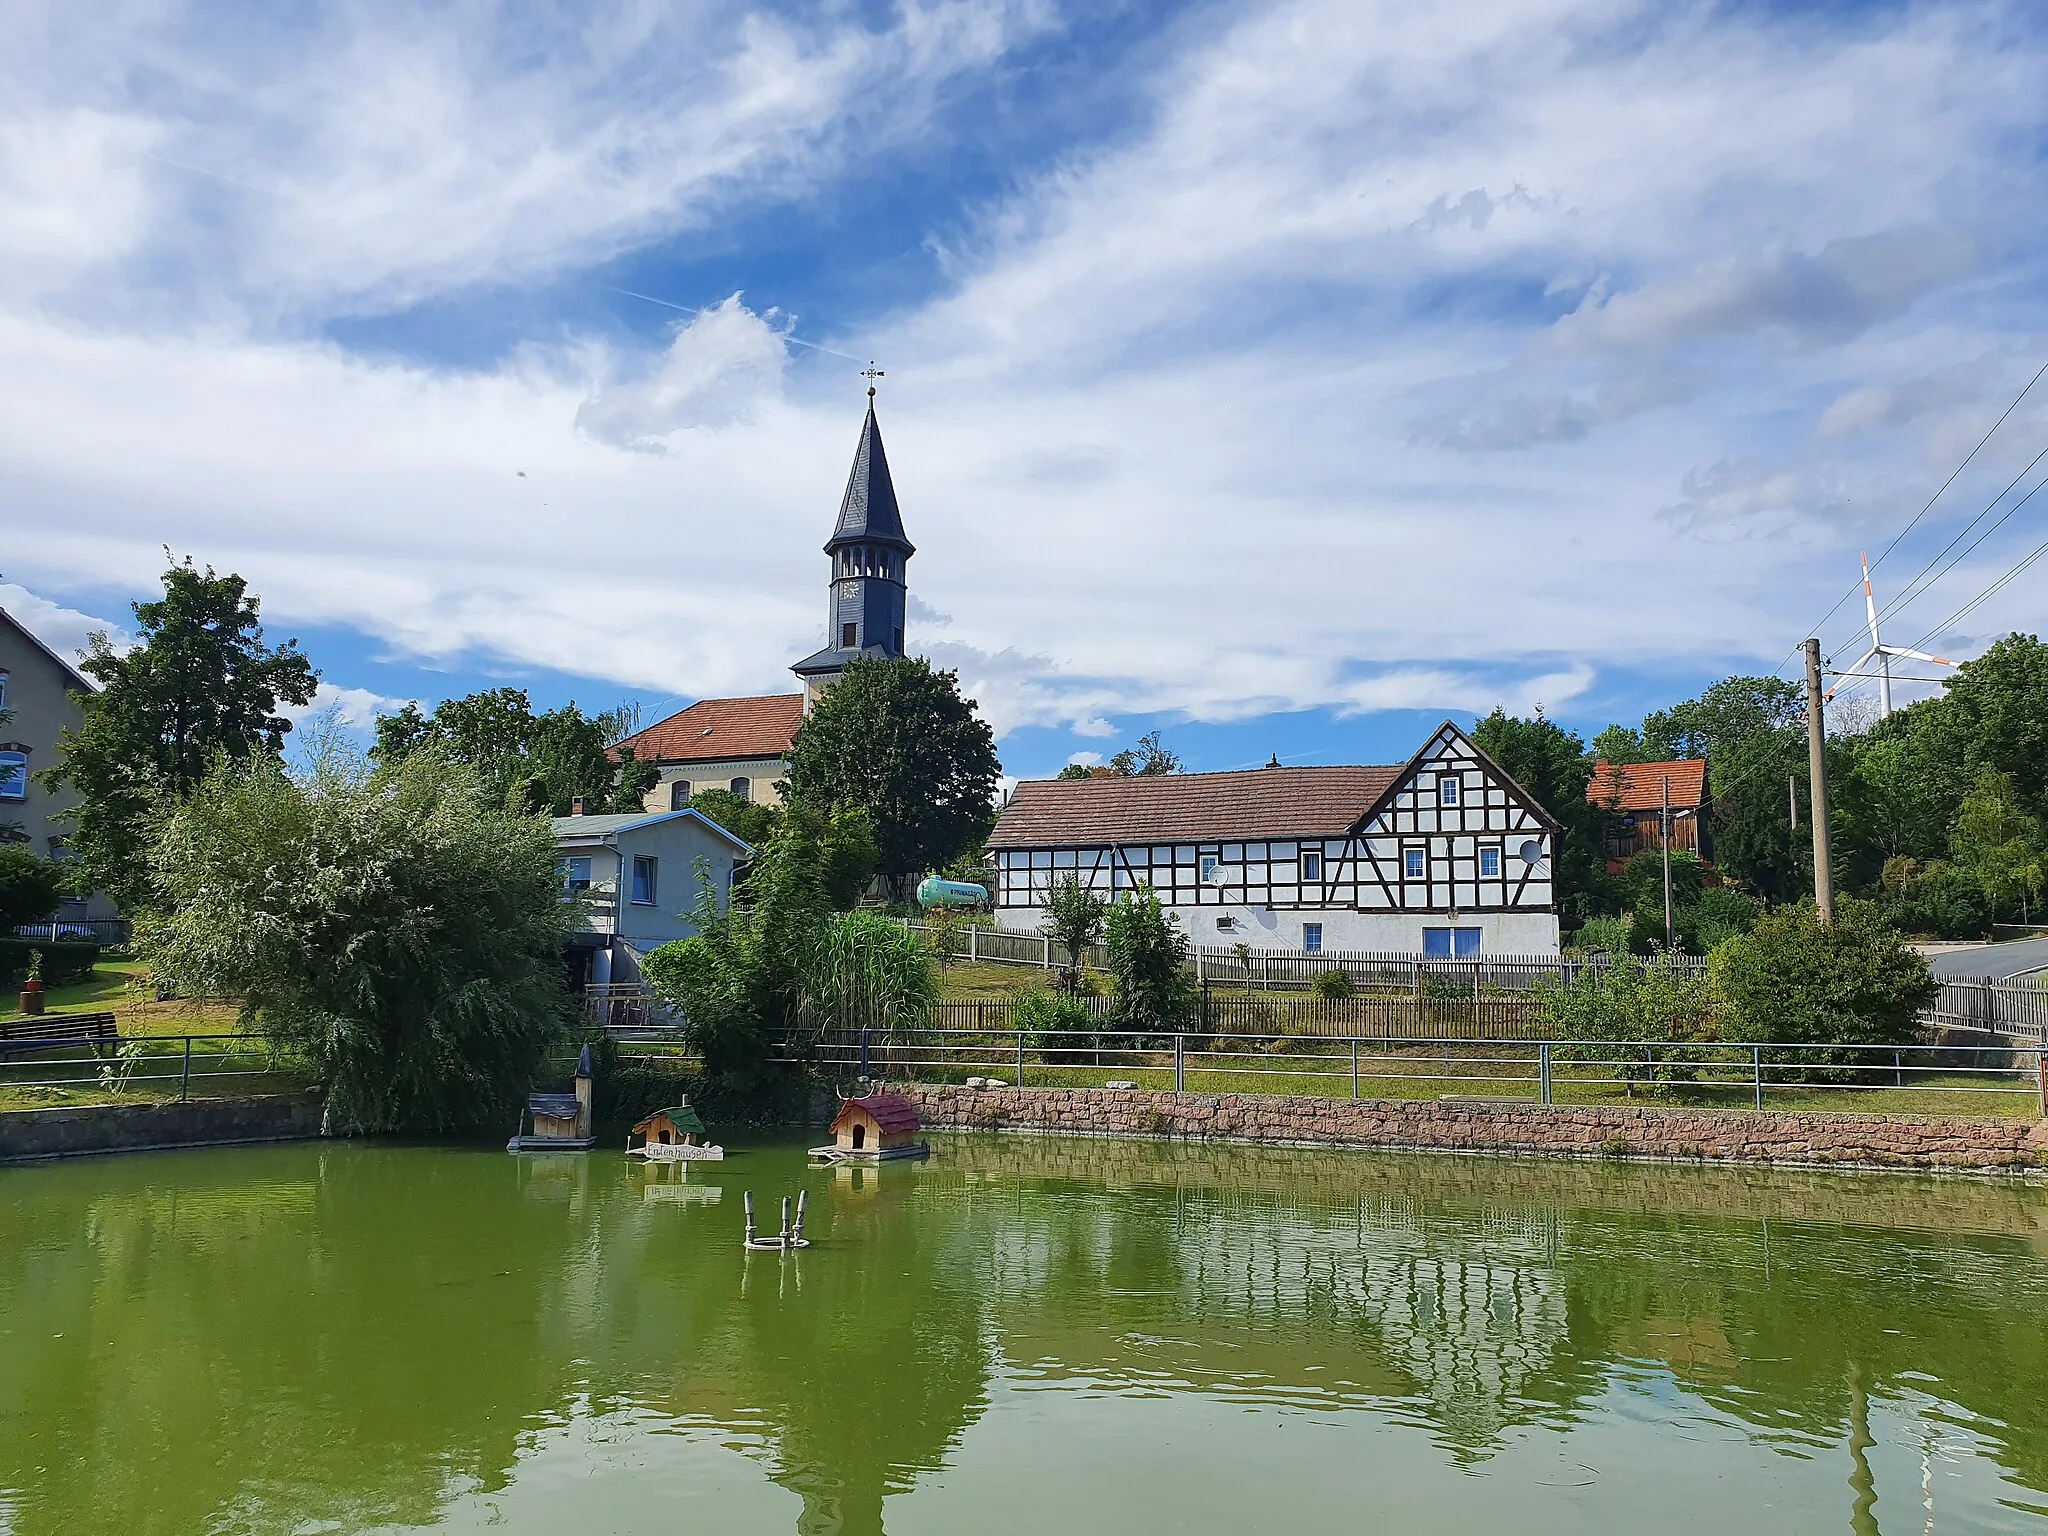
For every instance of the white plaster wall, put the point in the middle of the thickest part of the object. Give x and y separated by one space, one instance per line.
1501 933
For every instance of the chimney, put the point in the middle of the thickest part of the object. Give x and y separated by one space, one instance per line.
576 806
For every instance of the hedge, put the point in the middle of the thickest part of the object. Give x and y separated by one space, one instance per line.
66 962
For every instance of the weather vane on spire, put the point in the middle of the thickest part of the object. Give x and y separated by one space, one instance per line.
871 373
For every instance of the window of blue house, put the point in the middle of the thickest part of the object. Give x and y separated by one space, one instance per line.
575 874
1450 943
13 775
1489 863
1418 863
646 869
1312 938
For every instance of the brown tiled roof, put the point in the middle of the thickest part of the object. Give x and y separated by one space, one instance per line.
1189 807
714 730
1640 786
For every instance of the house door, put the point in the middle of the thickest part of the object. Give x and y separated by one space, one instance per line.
860 1137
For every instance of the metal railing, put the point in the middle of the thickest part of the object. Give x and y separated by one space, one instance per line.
1541 1072
144 1068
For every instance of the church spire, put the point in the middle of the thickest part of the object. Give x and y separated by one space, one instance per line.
870 554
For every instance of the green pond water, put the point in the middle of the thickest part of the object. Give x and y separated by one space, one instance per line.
1018 1336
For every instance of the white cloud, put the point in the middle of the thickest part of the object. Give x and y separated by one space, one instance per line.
1170 437
356 708
63 630
1094 726
1085 760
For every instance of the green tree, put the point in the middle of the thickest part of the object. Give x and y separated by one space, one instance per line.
1794 980
2000 843
748 820
1074 917
397 928
1552 764
1148 757
30 887
1620 745
198 685
897 739
1075 771
1152 986
1752 731
538 763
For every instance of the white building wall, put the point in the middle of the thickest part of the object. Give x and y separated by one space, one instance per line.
1501 933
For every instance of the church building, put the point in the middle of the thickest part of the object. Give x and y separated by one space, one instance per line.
743 744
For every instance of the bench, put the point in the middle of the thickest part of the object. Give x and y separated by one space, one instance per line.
35 1031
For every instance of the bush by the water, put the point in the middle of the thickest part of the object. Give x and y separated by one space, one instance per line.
1148 964
1796 980
66 962
1055 1023
1630 1004
399 929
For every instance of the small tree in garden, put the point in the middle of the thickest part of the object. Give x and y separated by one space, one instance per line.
1333 985
1074 917
30 887
944 931
1153 987
1795 980
399 929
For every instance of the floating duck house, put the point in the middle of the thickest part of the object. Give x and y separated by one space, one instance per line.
672 1135
558 1122
878 1128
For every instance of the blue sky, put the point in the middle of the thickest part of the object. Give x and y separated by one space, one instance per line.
1284 377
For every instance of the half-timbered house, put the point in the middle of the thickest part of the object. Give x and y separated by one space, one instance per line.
1444 855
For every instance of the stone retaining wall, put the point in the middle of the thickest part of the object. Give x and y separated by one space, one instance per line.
1514 1128
75 1132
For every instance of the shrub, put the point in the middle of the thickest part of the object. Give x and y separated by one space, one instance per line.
1058 1024
1632 1000
1333 985
867 973
30 887
1153 987
1940 900
1798 981
1609 935
66 962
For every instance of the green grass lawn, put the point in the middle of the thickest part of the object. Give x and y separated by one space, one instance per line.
122 988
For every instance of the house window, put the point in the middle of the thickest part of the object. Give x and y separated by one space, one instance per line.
744 788
575 875
1418 863
678 794
1450 943
1311 866
13 775
1489 863
1447 791
1311 938
3 690
646 874
1210 875
846 636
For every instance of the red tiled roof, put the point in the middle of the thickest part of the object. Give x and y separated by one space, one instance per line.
893 1114
1640 786
715 730
1189 807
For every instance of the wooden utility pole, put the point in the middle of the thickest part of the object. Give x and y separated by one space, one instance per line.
1817 788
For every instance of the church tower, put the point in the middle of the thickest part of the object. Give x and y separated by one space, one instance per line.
869 553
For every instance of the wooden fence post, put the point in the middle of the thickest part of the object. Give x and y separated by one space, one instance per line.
1418 996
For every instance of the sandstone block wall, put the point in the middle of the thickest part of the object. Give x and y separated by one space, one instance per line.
40 1133
1513 1128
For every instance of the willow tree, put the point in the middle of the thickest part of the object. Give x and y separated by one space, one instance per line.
398 929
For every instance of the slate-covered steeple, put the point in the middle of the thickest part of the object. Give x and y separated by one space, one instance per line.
869 553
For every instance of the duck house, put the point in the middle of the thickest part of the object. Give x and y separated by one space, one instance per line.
881 1127
558 1122
673 1135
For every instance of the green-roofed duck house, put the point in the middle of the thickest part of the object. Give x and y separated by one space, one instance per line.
870 556
673 1135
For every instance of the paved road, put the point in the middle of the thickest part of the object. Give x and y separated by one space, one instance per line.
1994 960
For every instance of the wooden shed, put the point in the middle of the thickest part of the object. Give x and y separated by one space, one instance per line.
877 1128
560 1122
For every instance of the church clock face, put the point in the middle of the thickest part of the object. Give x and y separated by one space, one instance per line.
849 589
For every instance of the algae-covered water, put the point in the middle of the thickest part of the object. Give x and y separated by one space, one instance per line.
1019 1336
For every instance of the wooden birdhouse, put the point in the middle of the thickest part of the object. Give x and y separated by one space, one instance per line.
558 1122
878 1128
673 1135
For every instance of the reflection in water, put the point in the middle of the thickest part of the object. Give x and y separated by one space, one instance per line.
1021 1334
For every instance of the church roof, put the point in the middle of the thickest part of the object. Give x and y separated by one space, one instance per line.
721 730
868 511
834 659
1190 807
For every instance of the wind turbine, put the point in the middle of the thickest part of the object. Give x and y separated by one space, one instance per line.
1881 653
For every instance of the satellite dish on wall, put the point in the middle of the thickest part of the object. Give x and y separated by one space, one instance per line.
1531 852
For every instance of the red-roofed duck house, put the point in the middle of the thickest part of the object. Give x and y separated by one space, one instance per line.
878 1128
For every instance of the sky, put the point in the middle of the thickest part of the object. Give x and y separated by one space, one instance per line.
1285 377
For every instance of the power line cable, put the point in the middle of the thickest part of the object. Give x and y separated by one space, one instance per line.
1951 480
1909 593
